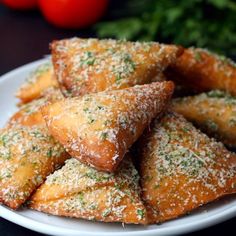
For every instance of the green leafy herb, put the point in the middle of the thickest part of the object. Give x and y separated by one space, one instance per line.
107 122
98 178
90 119
4 139
87 59
81 199
211 125
35 148
216 94
118 78
86 109
197 56
49 153
189 23
104 135
140 213
106 212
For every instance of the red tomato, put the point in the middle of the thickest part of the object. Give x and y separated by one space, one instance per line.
20 4
72 13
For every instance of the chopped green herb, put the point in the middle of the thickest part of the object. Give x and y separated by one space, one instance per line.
49 152
216 94
197 56
211 125
107 122
91 62
86 109
128 60
92 207
81 199
90 120
92 175
230 100
87 99
118 78
106 212
87 59
104 135
8 175
186 130
35 148
37 134
6 154
4 139
161 169
140 214
100 107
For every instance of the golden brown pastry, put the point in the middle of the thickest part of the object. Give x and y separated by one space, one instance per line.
201 70
27 156
98 129
85 66
77 190
37 82
182 169
213 112
30 113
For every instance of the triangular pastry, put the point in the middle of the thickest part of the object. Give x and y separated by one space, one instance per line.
27 156
182 169
37 82
85 66
77 190
213 112
98 129
202 71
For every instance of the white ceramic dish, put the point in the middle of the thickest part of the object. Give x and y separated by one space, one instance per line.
203 217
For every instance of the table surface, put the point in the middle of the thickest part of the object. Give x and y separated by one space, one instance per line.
25 37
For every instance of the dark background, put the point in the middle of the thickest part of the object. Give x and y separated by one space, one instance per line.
25 37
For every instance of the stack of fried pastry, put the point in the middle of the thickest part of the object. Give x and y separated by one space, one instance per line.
97 135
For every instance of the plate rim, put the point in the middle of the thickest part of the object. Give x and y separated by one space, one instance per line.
55 230
44 228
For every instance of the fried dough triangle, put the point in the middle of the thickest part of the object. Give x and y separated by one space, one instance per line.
99 128
77 190
37 82
27 156
213 112
85 66
202 71
181 168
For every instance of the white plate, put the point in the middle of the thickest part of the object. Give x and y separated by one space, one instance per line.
203 217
